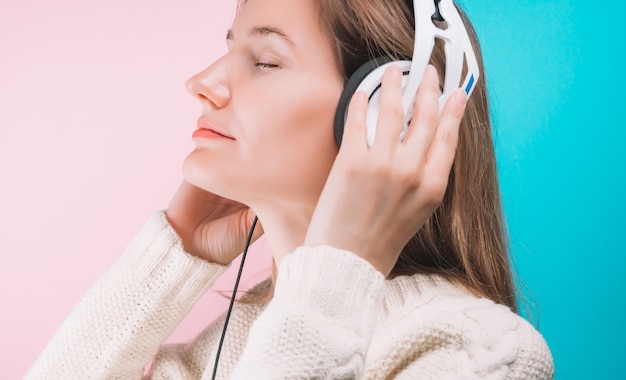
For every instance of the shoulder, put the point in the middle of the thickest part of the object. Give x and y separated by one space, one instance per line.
474 335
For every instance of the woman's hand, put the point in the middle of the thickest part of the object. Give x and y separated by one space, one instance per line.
376 198
211 227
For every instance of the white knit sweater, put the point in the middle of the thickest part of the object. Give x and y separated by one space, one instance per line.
333 316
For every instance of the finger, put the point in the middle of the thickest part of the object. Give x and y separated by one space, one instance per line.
355 132
443 149
258 228
390 113
421 132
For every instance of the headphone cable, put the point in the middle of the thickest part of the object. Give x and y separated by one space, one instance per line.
232 298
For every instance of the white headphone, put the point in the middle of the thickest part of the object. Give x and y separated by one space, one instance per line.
458 49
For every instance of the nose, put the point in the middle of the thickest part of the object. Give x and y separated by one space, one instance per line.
210 85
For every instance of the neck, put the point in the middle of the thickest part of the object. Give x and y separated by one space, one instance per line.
285 227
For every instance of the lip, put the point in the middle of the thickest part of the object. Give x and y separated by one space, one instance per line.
209 131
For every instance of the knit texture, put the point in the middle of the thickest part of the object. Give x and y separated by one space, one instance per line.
333 316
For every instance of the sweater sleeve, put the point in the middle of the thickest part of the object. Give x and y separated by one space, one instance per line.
319 323
131 309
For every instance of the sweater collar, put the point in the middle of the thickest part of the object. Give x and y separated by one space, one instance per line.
417 290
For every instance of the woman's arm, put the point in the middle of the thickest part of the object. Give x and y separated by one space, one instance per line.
131 309
328 306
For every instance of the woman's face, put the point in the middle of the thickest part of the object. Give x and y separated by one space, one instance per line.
271 99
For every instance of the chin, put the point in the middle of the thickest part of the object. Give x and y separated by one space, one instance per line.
197 172
218 179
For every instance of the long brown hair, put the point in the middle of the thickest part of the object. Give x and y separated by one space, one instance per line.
465 239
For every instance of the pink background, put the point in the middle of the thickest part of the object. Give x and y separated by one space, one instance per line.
95 123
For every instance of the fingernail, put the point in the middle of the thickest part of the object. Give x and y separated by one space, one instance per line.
432 71
360 97
394 70
459 97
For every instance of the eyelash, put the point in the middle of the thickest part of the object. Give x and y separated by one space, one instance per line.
265 65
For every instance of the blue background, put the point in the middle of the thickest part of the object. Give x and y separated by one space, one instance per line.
556 78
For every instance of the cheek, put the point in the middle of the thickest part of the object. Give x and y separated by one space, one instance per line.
293 143
284 104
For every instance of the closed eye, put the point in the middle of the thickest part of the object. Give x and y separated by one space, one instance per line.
265 65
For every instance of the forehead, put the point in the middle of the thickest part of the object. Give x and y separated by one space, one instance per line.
298 19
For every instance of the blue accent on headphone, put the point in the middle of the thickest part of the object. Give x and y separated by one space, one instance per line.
469 84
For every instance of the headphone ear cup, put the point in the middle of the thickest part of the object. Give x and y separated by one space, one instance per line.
351 87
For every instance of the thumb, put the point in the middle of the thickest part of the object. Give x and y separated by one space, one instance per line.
252 222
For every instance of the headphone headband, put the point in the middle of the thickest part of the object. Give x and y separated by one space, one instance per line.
457 47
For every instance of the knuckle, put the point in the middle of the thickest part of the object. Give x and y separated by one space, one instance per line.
436 190
397 111
394 109
454 116
451 139
409 179
380 171
457 113
429 117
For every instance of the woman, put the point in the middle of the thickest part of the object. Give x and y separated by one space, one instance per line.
390 261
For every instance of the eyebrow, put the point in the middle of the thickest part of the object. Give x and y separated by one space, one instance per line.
262 31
